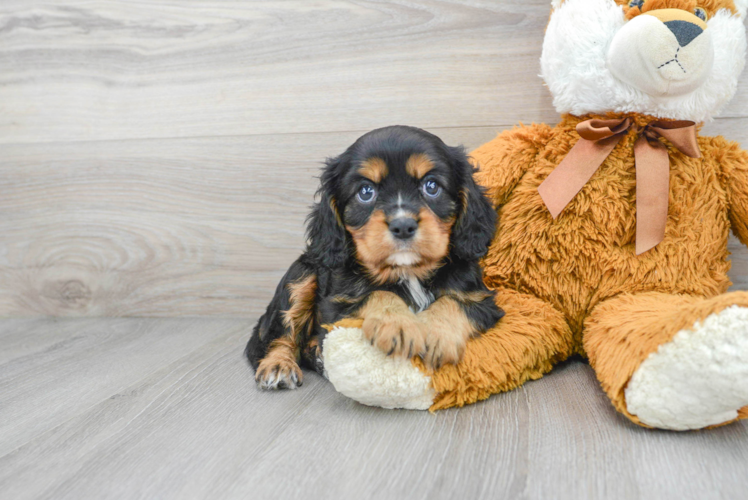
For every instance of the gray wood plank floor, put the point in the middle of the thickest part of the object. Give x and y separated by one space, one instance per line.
167 408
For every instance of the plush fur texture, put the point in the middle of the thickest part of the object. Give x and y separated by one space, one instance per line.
575 284
586 256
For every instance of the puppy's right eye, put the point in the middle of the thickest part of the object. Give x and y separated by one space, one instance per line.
636 3
430 188
366 193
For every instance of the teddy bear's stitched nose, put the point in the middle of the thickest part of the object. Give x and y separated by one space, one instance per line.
684 31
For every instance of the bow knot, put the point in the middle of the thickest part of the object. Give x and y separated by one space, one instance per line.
597 140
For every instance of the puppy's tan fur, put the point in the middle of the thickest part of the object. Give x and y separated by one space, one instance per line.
448 332
418 165
280 362
374 169
374 245
391 326
298 318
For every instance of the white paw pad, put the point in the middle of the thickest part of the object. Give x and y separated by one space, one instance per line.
698 379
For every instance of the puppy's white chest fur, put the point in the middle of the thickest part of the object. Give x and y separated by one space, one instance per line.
422 298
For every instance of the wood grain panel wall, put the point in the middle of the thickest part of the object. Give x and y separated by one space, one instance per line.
158 158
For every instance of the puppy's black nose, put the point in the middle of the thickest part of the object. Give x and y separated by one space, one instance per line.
403 228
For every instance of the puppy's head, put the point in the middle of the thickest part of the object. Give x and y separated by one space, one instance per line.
400 202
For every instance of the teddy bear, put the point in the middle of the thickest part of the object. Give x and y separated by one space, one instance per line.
613 227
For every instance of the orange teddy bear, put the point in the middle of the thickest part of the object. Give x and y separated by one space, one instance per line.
613 227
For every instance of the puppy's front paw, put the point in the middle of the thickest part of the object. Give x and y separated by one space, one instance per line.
278 374
441 350
396 334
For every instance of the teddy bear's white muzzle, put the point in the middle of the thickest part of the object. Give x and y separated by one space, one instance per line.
662 53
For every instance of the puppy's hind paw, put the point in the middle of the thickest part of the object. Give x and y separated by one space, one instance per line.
272 375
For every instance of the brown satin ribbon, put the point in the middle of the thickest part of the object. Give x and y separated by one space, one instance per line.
598 139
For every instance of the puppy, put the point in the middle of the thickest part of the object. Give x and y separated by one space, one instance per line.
394 240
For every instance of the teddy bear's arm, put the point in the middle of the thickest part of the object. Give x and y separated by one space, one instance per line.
733 163
503 161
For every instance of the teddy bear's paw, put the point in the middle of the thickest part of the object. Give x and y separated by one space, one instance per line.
396 334
366 374
698 379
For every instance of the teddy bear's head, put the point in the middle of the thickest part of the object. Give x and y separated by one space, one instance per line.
677 59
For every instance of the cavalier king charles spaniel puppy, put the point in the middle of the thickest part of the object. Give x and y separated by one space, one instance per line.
395 241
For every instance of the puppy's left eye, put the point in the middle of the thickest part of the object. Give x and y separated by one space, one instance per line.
700 13
431 188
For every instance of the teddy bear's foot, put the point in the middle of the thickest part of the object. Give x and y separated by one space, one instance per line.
366 374
698 379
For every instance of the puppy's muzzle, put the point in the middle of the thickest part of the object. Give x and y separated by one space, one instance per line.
403 228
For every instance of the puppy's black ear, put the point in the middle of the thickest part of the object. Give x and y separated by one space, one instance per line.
324 229
476 219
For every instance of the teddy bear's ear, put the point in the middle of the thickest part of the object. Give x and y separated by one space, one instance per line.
555 4
741 5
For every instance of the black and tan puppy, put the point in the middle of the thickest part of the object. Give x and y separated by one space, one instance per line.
394 240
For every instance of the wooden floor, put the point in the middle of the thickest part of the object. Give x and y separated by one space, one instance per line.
167 409
157 161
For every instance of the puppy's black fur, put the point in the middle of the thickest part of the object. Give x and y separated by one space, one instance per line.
390 176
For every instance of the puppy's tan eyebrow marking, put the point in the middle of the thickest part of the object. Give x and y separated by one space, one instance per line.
374 169
418 165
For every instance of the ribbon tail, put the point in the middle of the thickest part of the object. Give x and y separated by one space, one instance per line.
579 165
683 137
652 192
